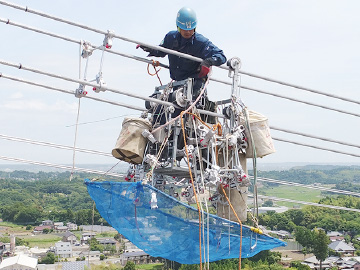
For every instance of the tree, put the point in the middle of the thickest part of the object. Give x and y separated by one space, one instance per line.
268 203
304 236
299 266
49 258
129 265
320 246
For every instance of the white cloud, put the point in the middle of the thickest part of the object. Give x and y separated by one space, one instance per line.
17 95
40 106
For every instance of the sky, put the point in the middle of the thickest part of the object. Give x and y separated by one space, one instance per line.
309 43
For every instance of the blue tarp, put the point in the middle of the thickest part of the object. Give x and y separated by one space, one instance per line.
171 231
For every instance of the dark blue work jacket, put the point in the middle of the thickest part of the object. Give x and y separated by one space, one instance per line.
197 45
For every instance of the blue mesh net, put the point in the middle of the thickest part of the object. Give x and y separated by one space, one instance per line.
171 231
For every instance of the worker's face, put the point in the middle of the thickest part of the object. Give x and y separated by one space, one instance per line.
187 33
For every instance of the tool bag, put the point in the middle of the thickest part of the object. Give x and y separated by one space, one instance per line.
260 132
130 145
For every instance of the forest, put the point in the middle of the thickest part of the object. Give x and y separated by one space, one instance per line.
28 198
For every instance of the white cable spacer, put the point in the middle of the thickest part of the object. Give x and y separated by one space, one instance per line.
87 49
80 92
108 40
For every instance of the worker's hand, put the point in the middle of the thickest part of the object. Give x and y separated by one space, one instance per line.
146 49
208 62
204 67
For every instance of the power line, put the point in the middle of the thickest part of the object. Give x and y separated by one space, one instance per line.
294 184
299 87
301 101
64 167
7 21
126 105
168 51
288 98
165 66
201 111
315 137
309 203
20 66
59 146
316 147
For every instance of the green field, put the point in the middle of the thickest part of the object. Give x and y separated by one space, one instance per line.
293 193
155 266
42 240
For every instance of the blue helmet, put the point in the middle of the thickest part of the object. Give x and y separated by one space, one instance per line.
186 19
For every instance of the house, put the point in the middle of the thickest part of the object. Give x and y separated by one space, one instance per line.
342 248
80 265
58 224
314 263
69 237
72 226
130 247
2 248
107 241
63 249
138 257
37 253
39 229
280 209
282 234
19 262
335 236
47 223
91 255
85 237
60 229
334 233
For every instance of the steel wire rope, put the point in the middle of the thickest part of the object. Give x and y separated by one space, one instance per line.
155 100
314 137
59 146
310 203
203 186
27 9
288 98
147 61
141 59
241 225
191 177
295 184
121 176
20 66
299 87
316 147
2 75
187 155
78 112
130 94
59 166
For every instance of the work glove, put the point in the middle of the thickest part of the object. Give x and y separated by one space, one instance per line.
204 68
208 62
146 49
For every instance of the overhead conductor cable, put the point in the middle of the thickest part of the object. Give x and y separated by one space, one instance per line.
20 66
155 100
163 65
27 9
133 107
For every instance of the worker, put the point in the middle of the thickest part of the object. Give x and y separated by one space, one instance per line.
187 40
